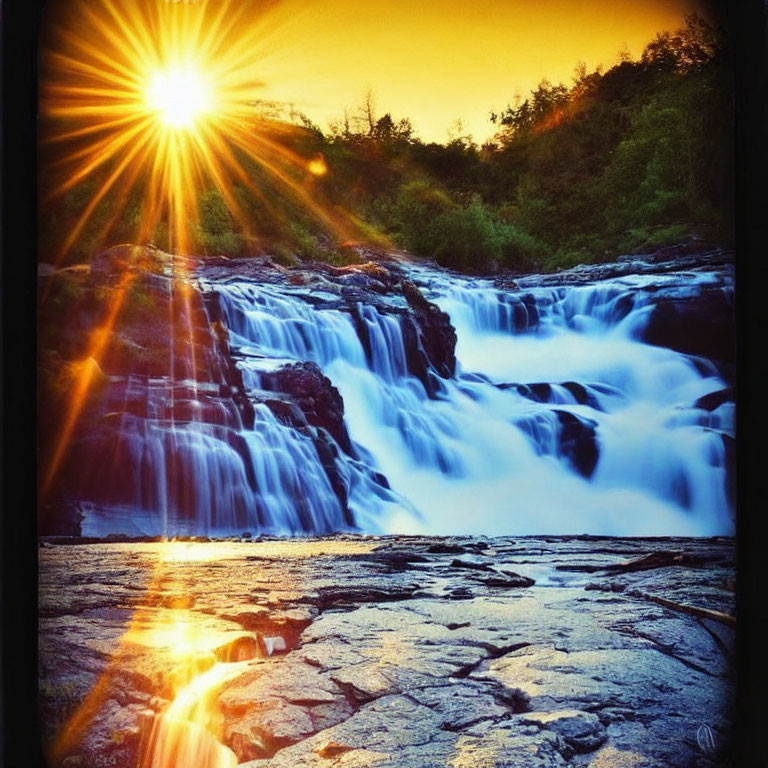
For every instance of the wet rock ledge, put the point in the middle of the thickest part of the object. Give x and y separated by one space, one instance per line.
362 651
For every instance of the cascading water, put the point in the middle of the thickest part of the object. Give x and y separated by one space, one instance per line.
661 462
559 417
189 475
559 420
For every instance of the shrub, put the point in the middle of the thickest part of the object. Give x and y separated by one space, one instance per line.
283 255
467 238
521 250
216 232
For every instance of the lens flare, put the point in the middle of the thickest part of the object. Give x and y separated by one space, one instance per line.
317 166
159 101
147 106
179 96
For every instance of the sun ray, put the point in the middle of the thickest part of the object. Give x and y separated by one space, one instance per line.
101 68
97 154
89 130
154 103
87 370
172 87
101 56
105 187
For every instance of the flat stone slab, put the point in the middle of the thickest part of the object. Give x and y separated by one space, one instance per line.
391 651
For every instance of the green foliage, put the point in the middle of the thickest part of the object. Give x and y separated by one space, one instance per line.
642 148
342 256
304 241
411 217
644 239
521 250
283 255
139 303
638 156
546 102
466 235
216 231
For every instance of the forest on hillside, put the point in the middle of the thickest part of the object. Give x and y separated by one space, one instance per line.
627 159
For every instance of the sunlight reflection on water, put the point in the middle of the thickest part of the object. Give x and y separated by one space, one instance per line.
195 551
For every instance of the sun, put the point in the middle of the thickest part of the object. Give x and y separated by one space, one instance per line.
179 95
145 107
160 101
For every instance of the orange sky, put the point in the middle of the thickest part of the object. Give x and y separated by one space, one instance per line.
436 61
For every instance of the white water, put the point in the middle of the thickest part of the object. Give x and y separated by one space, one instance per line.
188 478
480 459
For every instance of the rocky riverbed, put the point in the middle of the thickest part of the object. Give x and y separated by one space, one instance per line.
394 651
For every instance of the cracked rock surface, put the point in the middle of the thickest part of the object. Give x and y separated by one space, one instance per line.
395 651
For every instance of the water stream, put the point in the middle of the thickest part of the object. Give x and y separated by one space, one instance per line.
560 419
486 455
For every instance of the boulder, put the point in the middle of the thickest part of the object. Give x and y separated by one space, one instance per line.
429 338
319 401
578 442
582 731
703 325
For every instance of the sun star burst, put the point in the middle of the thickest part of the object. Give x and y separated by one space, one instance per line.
164 98
179 95
159 101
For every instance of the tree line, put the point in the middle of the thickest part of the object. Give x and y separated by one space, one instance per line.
624 159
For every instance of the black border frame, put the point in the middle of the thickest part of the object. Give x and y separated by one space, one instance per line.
745 23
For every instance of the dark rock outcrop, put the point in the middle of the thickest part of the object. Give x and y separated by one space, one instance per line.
62 518
714 400
429 337
660 262
578 442
318 400
703 326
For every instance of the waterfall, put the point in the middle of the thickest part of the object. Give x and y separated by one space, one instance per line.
560 418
